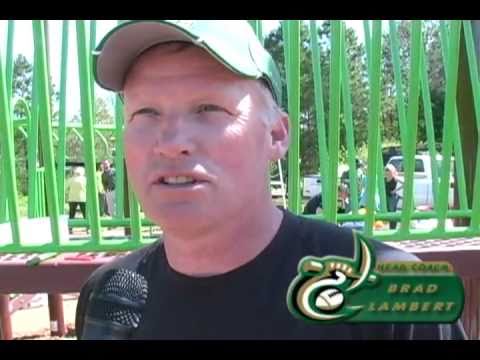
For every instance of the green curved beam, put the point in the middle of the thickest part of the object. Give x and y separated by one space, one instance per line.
104 140
22 130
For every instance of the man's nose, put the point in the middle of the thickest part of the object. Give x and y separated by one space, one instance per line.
174 138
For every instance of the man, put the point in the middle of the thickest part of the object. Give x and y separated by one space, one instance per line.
108 181
203 122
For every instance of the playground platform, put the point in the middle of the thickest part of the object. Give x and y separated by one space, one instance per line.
22 274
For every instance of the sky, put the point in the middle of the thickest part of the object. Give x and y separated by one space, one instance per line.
23 44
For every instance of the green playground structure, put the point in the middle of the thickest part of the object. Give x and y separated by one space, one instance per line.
47 167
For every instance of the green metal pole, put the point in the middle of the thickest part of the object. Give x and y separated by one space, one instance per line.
9 59
93 42
319 107
348 116
402 117
413 101
6 141
475 80
427 106
9 88
286 52
294 115
87 121
373 123
449 118
380 182
119 157
330 206
32 144
285 25
135 219
62 130
457 146
46 128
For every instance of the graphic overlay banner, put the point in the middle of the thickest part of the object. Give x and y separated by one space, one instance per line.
334 289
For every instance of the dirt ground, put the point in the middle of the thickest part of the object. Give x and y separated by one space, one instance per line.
33 323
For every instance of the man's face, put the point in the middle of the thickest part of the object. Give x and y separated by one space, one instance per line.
197 146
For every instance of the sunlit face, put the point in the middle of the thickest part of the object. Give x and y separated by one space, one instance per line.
388 174
197 139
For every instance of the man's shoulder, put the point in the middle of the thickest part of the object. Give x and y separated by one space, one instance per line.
330 239
132 261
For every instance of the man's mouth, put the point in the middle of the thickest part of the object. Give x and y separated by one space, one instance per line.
178 181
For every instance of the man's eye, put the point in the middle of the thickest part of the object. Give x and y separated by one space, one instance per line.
152 112
209 107
143 113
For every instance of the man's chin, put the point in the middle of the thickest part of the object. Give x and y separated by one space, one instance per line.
173 215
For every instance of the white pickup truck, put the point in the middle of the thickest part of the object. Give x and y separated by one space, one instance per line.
423 180
312 185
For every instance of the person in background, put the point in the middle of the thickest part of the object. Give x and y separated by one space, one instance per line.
392 185
102 202
108 181
77 192
314 205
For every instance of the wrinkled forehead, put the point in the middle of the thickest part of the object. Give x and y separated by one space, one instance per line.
174 59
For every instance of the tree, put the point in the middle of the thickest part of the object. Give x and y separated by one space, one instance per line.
358 84
436 81
309 152
21 88
74 145
102 113
22 83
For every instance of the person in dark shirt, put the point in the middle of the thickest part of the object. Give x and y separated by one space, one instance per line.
203 122
314 205
108 181
392 185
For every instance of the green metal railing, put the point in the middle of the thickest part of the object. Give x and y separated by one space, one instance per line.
407 110
46 181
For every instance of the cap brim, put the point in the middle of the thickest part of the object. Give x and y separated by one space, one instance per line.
118 50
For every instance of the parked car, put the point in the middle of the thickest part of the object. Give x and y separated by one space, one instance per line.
423 180
276 188
312 185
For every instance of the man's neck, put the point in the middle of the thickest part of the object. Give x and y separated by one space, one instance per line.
228 246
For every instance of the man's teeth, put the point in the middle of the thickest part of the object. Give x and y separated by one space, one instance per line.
178 180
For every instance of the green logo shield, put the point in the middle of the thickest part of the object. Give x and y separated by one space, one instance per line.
339 289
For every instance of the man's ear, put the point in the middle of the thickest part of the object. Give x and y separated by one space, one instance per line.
279 133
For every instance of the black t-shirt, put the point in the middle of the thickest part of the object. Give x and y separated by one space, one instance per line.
250 302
